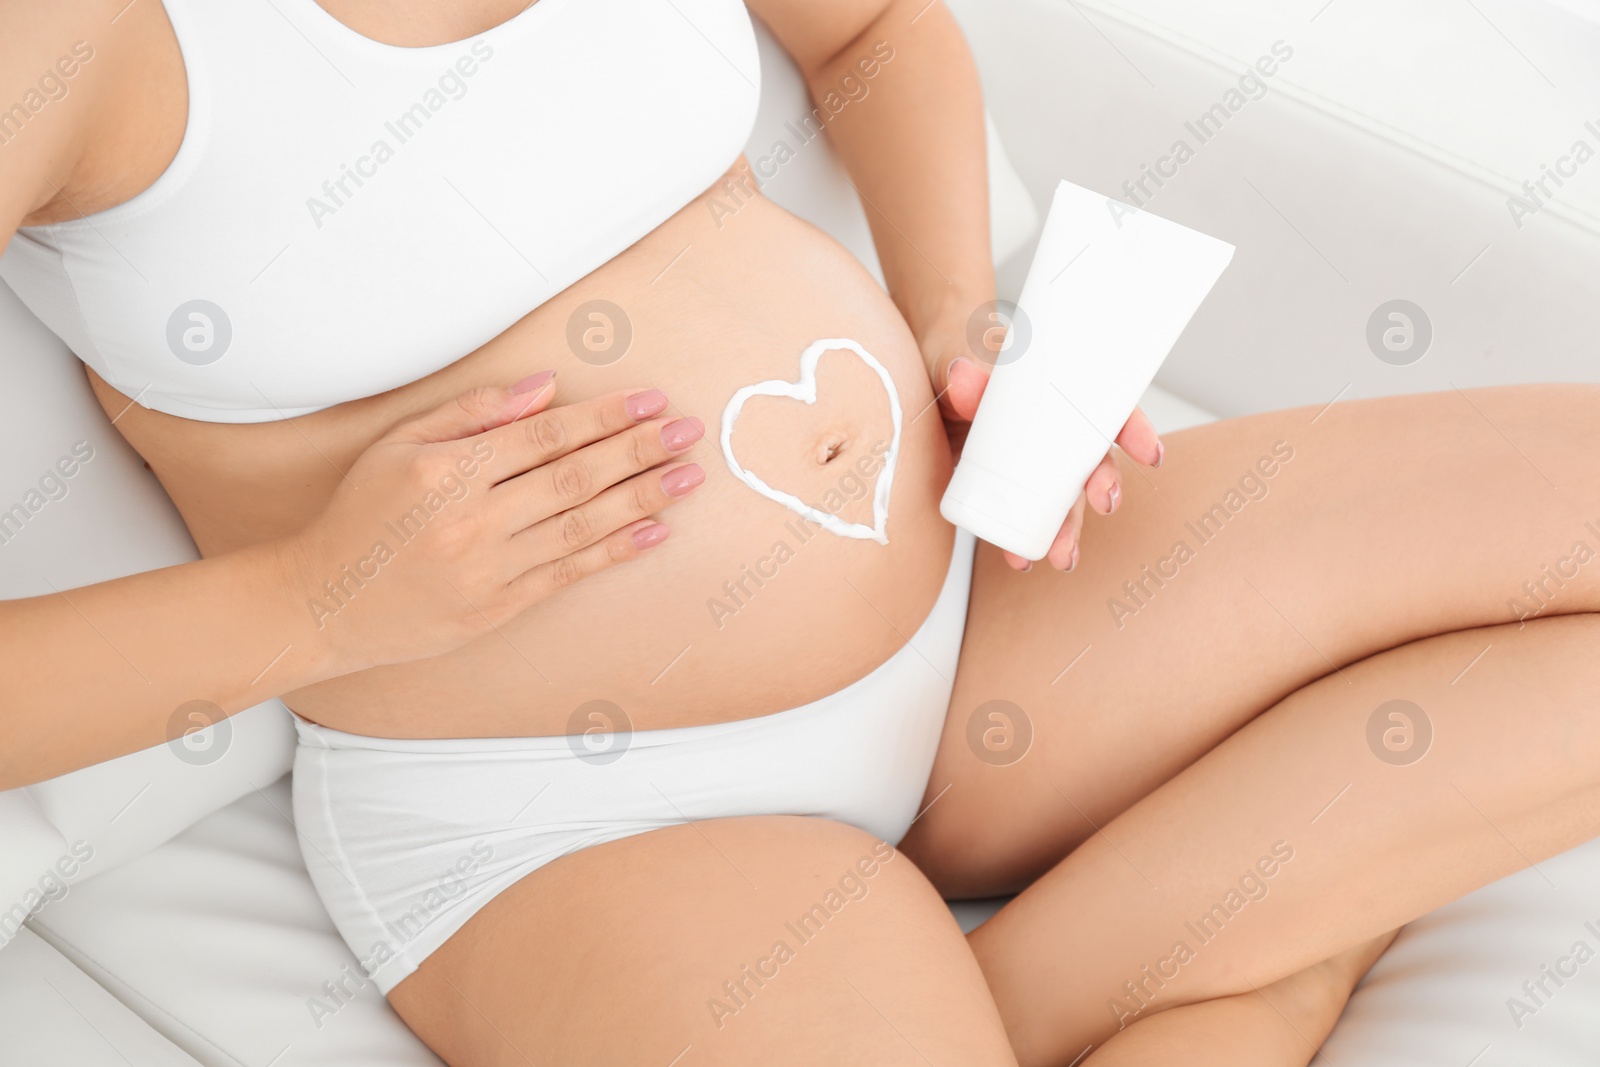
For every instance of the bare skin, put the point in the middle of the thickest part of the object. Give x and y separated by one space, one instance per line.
704 325
1377 567
1192 773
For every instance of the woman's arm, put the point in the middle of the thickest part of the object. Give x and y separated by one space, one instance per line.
93 673
96 672
538 499
911 134
912 137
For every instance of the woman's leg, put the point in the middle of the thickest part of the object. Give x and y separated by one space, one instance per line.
1266 552
1302 835
773 940
1279 1025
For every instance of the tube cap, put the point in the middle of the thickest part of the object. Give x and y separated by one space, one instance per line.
1002 512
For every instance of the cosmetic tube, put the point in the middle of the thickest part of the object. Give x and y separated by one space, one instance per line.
1108 293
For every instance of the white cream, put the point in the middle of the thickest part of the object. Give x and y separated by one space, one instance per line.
805 389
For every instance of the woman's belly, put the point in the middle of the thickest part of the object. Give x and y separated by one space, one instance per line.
748 608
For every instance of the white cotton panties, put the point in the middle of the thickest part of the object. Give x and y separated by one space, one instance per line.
406 840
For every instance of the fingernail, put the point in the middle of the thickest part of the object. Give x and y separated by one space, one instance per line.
641 406
680 480
956 363
1073 562
1116 497
1161 453
649 536
534 381
1026 567
681 433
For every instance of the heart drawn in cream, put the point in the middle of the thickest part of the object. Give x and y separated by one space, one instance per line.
805 389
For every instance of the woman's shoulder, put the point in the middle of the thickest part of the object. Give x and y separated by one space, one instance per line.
92 105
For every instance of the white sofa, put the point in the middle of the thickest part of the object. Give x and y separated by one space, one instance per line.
1377 166
187 931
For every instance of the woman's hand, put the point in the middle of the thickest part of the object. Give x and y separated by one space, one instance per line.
960 354
455 522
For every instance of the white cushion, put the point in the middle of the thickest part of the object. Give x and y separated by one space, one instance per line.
51 1012
31 845
1377 167
1449 992
1444 992
1584 9
1464 88
218 941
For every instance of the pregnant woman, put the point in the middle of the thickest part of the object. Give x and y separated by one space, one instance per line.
434 319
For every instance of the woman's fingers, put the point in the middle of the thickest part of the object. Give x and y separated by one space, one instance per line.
966 380
480 410
1063 554
1103 490
1140 440
1063 551
448 497
559 487
617 507
547 435
958 373
546 579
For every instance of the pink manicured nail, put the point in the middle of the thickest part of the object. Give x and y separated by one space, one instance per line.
1026 567
680 480
1116 497
650 536
1073 562
534 381
681 433
1161 453
641 406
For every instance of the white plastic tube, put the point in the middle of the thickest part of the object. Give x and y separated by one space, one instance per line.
1110 290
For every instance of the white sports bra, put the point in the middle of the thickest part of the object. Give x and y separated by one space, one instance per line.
345 216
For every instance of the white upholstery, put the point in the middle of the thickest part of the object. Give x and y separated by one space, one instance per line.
1377 167
1441 996
52 1012
1442 993
218 941
212 947
32 844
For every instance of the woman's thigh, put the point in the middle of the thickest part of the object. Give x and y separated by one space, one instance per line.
1267 552
1308 831
774 940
